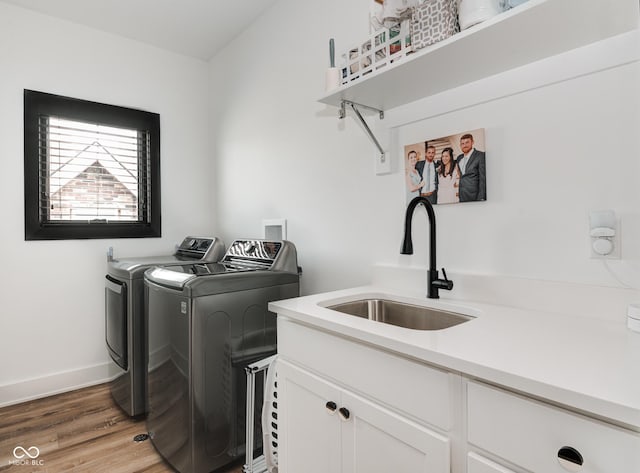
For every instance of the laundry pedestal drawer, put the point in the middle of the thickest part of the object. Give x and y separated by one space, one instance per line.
543 438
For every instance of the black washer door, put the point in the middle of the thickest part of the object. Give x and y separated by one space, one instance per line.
115 310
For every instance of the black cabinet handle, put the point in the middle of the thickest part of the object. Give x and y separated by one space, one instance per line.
570 459
344 413
331 406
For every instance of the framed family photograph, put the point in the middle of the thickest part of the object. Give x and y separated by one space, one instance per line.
447 170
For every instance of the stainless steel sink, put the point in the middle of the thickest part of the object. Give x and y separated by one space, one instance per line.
401 314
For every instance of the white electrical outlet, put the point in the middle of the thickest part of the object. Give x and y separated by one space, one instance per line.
383 163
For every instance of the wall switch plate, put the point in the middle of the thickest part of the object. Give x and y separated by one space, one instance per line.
383 163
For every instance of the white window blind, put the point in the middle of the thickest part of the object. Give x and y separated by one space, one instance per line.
91 172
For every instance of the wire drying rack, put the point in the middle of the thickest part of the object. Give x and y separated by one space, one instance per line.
259 463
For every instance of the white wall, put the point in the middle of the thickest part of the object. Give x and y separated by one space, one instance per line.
562 137
52 300
279 153
562 141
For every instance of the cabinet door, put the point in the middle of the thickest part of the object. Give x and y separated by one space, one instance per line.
479 464
309 431
375 440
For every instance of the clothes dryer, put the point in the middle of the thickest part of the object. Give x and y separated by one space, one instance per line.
125 327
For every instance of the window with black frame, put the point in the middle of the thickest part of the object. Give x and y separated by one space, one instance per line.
92 170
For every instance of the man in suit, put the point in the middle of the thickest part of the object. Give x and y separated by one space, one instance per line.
428 171
473 184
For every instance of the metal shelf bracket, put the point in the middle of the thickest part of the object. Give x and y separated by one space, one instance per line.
354 106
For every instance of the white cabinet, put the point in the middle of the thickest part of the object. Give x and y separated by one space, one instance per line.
349 407
325 428
542 438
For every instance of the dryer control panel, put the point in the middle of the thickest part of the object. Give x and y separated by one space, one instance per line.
201 248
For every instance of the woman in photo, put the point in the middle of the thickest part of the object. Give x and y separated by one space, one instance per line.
448 178
412 176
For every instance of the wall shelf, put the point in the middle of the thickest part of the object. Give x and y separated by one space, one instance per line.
530 32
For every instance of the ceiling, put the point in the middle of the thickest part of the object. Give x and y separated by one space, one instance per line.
197 28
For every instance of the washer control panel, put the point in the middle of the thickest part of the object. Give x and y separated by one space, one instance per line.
253 254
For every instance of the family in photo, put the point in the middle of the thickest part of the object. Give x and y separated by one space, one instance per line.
447 170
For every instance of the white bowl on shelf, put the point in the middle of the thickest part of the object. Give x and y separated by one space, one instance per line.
472 12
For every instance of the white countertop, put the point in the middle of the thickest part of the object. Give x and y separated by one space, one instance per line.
585 363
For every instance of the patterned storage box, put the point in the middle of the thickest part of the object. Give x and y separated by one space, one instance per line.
433 21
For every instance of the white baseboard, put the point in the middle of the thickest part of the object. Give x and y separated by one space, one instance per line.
27 390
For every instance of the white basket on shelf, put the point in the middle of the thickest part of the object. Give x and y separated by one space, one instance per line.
382 48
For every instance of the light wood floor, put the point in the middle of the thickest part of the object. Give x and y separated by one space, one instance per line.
82 432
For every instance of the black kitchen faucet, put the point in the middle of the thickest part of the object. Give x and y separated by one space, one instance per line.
433 283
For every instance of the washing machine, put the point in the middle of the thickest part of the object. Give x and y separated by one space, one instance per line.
207 322
125 327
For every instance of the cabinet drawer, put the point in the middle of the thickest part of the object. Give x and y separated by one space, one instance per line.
531 434
409 387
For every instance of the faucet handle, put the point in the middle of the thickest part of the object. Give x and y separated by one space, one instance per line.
443 283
